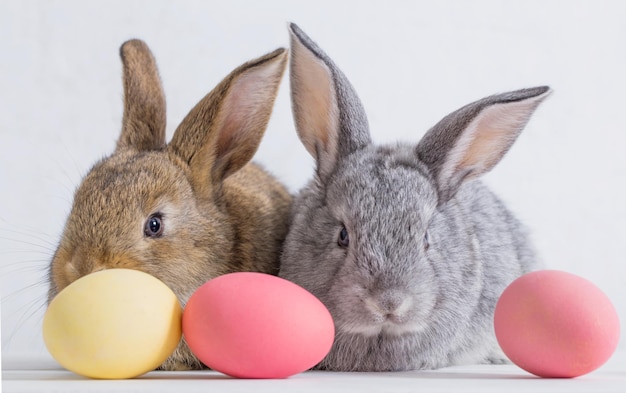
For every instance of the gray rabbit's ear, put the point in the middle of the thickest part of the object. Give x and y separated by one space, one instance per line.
470 141
223 131
329 117
143 124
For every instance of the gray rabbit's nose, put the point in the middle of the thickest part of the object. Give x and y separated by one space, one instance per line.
389 305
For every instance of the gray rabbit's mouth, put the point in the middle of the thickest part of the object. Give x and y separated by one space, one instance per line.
391 314
387 327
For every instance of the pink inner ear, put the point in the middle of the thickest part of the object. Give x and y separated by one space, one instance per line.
245 112
315 102
240 108
490 135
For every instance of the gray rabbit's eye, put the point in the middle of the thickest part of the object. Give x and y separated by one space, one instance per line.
154 226
344 239
426 241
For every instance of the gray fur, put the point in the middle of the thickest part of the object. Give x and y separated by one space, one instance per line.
430 251
442 137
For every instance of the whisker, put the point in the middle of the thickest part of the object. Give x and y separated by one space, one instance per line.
27 266
29 243
26 302
25 254
24 289
12 251
35 306
26 270
80 172
39 260
46 246
25 250
28 230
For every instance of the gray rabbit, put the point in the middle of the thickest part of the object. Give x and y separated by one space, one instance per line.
408 252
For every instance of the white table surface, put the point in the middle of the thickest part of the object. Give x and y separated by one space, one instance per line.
44 375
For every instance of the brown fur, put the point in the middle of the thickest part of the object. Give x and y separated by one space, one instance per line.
220 213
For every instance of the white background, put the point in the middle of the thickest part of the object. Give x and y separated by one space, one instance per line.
411 62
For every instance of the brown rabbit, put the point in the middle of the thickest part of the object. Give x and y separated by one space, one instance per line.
187 211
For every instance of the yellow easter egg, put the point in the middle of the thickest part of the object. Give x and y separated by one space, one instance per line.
113 324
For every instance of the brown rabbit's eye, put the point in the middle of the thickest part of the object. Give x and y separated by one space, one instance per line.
344 239
154 226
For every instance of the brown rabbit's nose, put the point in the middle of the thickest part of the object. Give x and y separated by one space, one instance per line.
83 263
69 266
390 305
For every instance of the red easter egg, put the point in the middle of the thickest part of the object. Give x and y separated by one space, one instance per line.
556 324
254 325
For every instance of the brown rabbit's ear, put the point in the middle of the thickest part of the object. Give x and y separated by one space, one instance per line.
223 131
143 125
